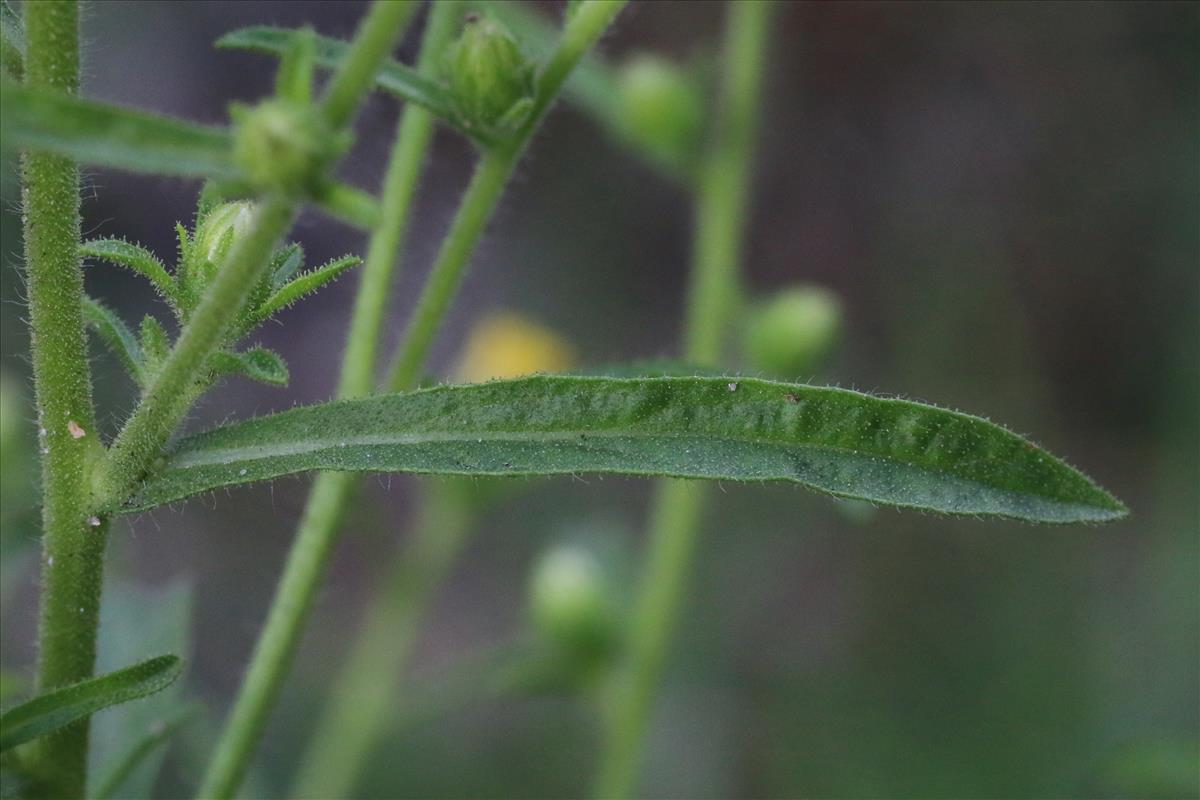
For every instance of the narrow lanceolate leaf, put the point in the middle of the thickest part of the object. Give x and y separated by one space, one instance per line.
138 259
284 264
734 429
114 332
138 752
402 81
304 284
156 345
257 363
350 205
48 712
105 135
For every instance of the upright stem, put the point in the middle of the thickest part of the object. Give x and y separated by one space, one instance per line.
675 519
374 40
586 24
474 210
358 708
72 550
376 35
399 186
319 525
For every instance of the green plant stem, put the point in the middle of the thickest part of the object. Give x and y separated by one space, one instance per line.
475 209
399 187
359 707
721 207
319 527
331 491
355 714
72 550
178 383
376 35
181 379
587 23
373 42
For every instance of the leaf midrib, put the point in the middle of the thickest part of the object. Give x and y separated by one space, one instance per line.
260 453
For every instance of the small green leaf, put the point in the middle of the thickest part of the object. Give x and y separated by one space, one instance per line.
156 345
835 441
284 264
304 284
294 79
48 712
183 277
138 259
348 204
140 750
113 331
257 363
111 136
402 81
138 621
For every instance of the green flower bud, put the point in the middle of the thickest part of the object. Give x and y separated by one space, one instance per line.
790 334
215 234
661 108
284 146
220 227
572 606
491 81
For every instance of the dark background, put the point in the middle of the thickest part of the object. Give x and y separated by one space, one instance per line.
1005 197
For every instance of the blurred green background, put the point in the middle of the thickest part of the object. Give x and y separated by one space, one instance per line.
1005 197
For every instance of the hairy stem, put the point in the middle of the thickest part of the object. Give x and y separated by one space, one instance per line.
376 35
168 399
331 491
72 549
359 707
373 42
319 527
399 186
587 23
721 206
178 383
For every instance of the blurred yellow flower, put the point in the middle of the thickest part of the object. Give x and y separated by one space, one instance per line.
507 345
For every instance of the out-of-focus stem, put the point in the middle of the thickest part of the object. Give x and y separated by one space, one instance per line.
721 207
361 703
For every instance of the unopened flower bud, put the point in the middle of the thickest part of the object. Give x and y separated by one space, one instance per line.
491 80
220 227
661 108
790 334
572 606
284 146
